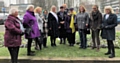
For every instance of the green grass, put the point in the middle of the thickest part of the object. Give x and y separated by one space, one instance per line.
63 51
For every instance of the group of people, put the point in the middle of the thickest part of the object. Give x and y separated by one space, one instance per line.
63 24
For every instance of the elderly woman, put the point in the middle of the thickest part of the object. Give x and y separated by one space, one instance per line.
108 29
32 29
70 27
42 25
82 20
53 25
13 32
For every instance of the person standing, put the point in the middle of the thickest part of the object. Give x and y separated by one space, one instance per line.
66 10
32 29
45 28
82 21
13 31
108 29
53 25
61 16
41 25
70 27
95 22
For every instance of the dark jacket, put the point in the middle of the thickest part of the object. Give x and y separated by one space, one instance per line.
12 37
67 23
61 19
81 20
53 24
95 20
108 27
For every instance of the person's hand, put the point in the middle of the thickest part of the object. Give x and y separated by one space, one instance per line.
62 22
59 27
86 24
50 28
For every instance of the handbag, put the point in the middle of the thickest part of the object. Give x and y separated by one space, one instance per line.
28 30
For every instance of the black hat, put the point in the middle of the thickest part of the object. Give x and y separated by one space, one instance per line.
71 9
61 7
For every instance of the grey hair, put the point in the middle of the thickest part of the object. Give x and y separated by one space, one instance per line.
29 6
12 11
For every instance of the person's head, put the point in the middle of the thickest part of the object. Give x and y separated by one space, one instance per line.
53 8
30 8
38 10
45 12
71 10
95 8
82 8
65 6
108 10
62 8
13 12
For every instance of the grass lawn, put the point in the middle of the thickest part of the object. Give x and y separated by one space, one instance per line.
62 51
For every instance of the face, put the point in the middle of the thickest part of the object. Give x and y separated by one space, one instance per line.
16 14
65 6
39 10
107 11
62 9
31 9
94 8
45 12
54 9
81 9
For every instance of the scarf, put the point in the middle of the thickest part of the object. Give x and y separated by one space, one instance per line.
95 15
72 26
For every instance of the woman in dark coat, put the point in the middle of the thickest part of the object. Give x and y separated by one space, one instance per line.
61 15
13 32
108 30
95 22
70 27
53 25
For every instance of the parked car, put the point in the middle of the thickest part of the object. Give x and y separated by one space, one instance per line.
118 18
3 18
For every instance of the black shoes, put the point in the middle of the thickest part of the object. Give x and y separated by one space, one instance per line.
108 53
112 56
31 53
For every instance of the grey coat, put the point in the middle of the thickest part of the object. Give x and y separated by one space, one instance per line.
81 20
108 27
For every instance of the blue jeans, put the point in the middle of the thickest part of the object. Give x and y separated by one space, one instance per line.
83 38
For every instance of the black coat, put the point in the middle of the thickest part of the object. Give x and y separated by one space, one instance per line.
53 24
108 27
62 28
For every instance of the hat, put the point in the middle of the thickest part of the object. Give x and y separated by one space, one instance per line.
61 7
71 9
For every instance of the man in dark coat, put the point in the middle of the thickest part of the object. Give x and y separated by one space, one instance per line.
96 19
61 17
108 30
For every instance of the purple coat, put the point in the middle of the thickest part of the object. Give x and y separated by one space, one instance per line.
12 37
31 21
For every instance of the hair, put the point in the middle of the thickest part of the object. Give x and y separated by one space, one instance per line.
12 11
83 8
53 6
37 9
64 5
109 8
95 6
29 6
